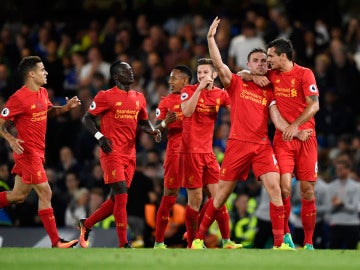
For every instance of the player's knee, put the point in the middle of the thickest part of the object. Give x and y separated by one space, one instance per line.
308 194
307 191
171 192
195 202
119 188
285 191
18 198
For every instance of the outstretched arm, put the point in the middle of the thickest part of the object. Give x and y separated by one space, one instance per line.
88 121
70 104
148 127
225 73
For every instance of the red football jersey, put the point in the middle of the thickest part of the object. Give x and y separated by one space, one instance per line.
171 103
290 89
198 129
249 111
28 110
119 111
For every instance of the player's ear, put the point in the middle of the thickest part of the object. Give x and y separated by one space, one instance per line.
215 74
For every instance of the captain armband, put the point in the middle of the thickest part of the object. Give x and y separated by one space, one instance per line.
272 103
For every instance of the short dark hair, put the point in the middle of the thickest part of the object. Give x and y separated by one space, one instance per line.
255 50
113 67
27 64
185 70
282 45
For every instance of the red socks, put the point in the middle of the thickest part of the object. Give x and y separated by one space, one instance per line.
308 218
162 217
277 223
202 210
105 210
120 216
3 200
209 217
223 220
191 222
48 220
287 209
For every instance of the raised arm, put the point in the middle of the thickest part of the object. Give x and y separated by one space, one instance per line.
225 73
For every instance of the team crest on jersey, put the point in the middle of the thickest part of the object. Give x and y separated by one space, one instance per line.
184 96
157 112
313 88
93 105
5 112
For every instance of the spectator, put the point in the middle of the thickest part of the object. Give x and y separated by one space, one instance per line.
95 63
140 193
320 232
77 208
344 200
176 54
243 221
241 45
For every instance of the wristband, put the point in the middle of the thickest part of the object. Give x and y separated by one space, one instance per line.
272 103
163 124
98 135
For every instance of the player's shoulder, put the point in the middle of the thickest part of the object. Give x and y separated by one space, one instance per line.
22 93
190 87
136 93
219 90
169 98
105 92
301 69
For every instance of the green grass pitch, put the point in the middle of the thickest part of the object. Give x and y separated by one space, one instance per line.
184 259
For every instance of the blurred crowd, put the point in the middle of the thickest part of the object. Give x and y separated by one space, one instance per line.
78 47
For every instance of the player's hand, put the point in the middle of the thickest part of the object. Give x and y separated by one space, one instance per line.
170 117
15 145
290 132
105 144
73 102
157 135
303 135
205 82
213 28
260 80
